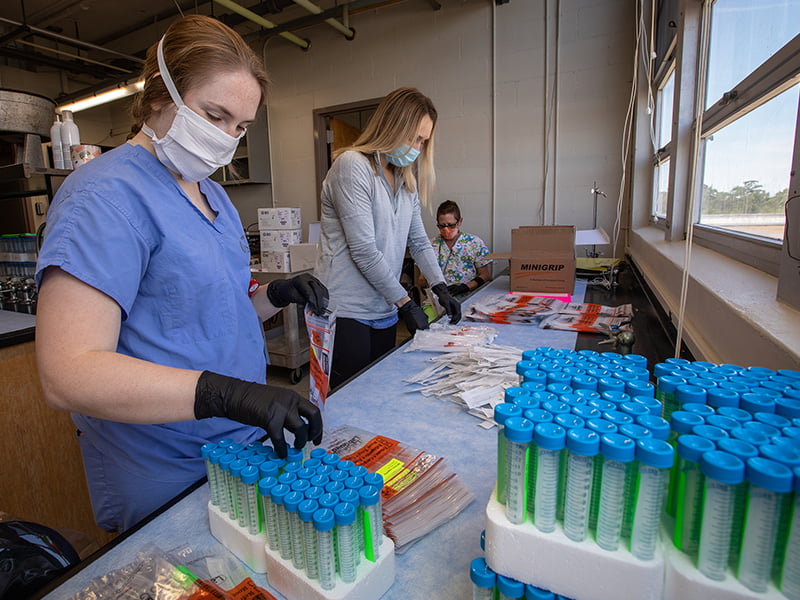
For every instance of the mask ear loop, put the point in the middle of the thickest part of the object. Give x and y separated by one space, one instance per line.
162 66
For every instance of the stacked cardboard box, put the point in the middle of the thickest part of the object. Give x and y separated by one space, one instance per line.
281 238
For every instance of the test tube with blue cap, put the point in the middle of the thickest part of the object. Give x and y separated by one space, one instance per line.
483 580
549 440
291 503
722 472
352 497
768 430
704 410
216 482
689 492
269 514
371 521
655 458
345 516
278 493
324 523
617 451
519 433
503 411
788 407
665 393
769 485
305 511
249 514
754 402
657 426
235 495
582 446
788 579
226 492
509 588
734 412
744 451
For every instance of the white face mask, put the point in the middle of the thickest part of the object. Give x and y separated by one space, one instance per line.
193 146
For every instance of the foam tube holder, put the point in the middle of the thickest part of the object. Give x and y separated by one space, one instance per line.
373 579
247 547
683 580
574 569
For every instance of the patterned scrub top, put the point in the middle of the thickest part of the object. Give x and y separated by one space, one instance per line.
460 264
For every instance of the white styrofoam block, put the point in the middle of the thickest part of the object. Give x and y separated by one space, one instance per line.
683 580
245 546
579 570
373 578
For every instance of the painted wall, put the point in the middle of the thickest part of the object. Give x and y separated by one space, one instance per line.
490 71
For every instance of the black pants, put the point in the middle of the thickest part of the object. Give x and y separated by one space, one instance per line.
355 346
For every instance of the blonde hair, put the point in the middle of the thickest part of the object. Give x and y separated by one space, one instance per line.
396 122
195 48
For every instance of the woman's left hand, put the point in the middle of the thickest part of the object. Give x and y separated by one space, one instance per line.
450 305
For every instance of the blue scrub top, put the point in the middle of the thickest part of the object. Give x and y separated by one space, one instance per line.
121 224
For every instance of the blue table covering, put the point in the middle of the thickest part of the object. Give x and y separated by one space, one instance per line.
435 567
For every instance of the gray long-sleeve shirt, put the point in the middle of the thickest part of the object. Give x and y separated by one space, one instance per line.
364 231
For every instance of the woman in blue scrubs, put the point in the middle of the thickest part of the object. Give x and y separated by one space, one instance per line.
145 330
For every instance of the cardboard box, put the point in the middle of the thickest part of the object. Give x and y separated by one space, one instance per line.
542 259
279 239
303 257
273 261
279 218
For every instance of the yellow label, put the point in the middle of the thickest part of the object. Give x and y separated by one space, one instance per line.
396 476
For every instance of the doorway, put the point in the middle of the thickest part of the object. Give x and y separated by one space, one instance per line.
337 127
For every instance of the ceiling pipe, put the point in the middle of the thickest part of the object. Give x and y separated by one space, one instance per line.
348 32
68 40
259 20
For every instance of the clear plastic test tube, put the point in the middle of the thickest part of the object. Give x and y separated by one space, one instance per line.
234 488
789 576
278 493
518 432
226 483
582 446
689 492
291 502
549 440
744 451
269 512
216 479
345 516
503 411
655 458
211 474
372 521
769 485
665 393
306 510
324 522
723 472
249 515
353 498
617 451
483 580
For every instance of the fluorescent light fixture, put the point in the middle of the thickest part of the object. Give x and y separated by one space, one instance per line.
103 97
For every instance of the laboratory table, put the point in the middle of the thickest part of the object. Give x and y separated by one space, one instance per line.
437 565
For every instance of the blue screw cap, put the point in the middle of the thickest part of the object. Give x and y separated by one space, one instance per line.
249 474
519 430
265 485
668 383
772 419
658 427
704 410
654 452
682 422
369 495
691 447
721 396
306 509
615 446
740 448
481 575
710 432
688 393
509 587
723 422
735 413
569 421
514 393
324 519
781 453
583 441
634 431
769 474
788 407
538 415
344 513
722 467
549 436
504 410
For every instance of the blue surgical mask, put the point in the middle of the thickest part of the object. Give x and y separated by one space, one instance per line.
403 156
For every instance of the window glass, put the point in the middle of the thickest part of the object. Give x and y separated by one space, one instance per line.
664 111
745 33
662 186
747 168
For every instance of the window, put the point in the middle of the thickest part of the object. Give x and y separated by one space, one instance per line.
663 126
741 172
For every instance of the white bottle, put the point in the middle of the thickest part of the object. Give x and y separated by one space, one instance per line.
55 142
70 136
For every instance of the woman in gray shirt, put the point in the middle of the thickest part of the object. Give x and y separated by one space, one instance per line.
370 214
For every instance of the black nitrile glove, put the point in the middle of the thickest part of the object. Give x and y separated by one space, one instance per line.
303 289
457 288
413 316
271 408
450 305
